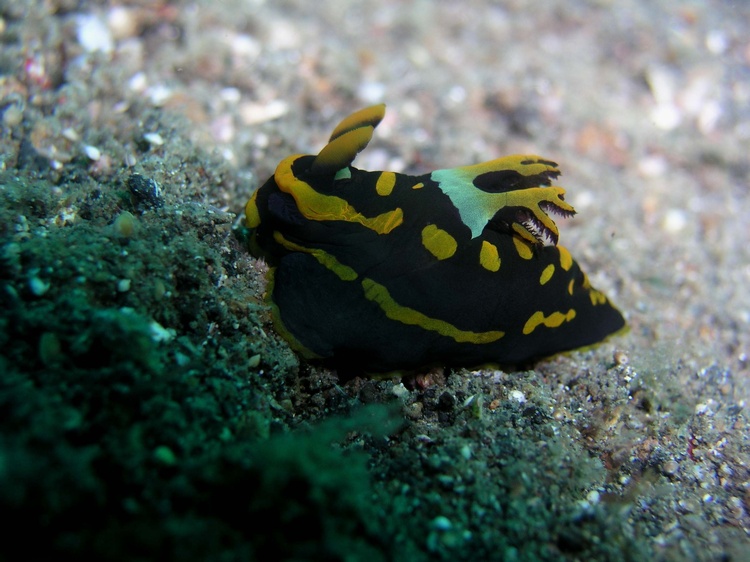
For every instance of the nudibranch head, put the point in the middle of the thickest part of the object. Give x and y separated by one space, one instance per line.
381 271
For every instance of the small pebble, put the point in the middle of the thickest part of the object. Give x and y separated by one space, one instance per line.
662 82
154 139
620 358
38 286
254 113
414 411
159 94
145 190
122 22
230 95
138 82
159 333
675 221
254 361
666 116
593 497
653 166
165 455
93 34
92 152
125 224
123 285
13 115
441 523
70 133
717 42
400 391
371 92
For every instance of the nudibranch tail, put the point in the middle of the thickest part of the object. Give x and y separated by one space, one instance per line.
381 271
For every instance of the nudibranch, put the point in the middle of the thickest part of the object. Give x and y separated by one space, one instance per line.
381 271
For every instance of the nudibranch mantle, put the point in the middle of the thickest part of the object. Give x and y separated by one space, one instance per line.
381 271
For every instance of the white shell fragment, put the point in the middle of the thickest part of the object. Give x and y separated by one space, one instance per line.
93 34
154 139
92 152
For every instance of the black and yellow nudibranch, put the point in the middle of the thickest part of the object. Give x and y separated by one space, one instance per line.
380 271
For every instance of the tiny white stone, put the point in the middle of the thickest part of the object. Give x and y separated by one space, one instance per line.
254 113
675 221
457 94
230 95
38 286
120 107
92 152
709 116
399 390
13 115
593 497
717 41
122 22
159 333
245 46
70 134
441 523
159 94
93 34
154 139
138 82
662 82
653 166
583 200
371 92
518 396
666 116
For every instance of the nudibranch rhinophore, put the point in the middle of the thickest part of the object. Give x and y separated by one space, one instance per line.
381 271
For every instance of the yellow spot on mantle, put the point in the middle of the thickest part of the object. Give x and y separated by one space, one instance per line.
554 320
523 249
547 274
566 260
488 256
438 242
385 183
